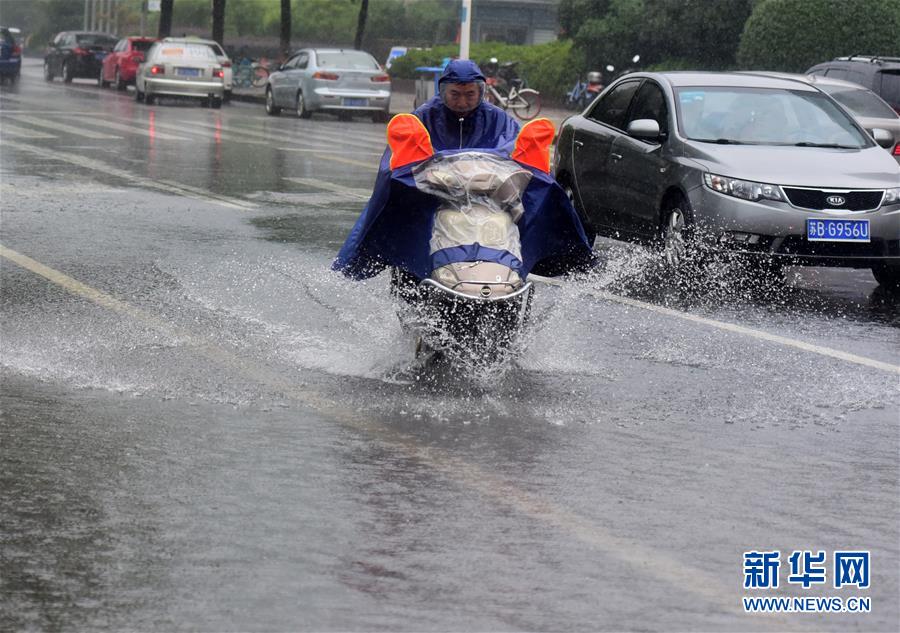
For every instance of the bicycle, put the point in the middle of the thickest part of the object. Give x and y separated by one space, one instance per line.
524 102
250 74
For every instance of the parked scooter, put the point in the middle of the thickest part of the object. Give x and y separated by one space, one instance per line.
584 92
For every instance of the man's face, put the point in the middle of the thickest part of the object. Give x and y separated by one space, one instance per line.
462 98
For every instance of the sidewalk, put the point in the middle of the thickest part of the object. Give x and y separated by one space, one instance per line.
400 102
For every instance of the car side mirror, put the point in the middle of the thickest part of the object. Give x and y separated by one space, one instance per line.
884 138
644 129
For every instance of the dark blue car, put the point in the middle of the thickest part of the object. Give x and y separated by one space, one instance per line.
10 55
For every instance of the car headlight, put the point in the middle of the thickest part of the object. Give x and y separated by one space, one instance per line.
891 196
746 189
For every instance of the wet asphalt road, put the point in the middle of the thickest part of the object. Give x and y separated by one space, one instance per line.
202 428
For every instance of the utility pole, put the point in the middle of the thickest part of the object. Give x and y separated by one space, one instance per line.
465 28
86 5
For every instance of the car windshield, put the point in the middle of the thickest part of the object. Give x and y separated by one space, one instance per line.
764 116
95 39
860 102
141 45
192 51
355 60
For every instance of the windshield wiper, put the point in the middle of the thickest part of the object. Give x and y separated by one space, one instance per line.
719 141
825 145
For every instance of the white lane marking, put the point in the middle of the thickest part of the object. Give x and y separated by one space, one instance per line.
313 150
261 134
307 128
302 136
132 129
362 194
134 179
61 127
53 112
211 134
15 130
622 547
731 327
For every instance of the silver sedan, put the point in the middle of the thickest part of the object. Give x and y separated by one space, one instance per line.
344 82
180 67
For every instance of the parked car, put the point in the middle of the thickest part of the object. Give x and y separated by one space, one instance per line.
224 62
77 54
10 54
180 67
344 82
120 66
881 75
869 110
766 167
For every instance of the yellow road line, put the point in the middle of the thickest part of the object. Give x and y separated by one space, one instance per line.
643 559
731 327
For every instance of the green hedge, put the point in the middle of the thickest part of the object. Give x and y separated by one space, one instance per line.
792 35
546 67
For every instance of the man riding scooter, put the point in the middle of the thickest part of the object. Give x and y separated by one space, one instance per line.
394 229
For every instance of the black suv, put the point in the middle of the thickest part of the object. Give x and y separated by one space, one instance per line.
77 54
881 75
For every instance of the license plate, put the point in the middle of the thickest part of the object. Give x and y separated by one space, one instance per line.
99 56
835 230
188 72
351 103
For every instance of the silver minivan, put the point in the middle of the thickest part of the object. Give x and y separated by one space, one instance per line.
340 81
768 167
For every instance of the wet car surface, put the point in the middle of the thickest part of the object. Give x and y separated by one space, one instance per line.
205 428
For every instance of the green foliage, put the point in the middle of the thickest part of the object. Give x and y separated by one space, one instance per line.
546 67
700 33
792 35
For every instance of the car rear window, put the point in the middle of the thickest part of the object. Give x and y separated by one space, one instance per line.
141 45
7 37
890 87
95 39
354 60
216 49
191 51
860 102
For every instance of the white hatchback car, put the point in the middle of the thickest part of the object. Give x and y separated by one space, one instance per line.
181 67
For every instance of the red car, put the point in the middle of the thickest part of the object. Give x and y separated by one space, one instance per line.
120 66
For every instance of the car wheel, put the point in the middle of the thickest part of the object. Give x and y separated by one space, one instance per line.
120 85
48 73
138 95
67 72
302 111
887 276
676 233
215 102
149 98
271 108
382 116
100 82
589 231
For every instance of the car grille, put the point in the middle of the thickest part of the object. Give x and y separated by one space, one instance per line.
798 246
817 199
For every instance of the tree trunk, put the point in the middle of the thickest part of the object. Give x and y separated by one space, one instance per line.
165 18
285 28
361 23
218 21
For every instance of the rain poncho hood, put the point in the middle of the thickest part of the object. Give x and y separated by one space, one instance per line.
487 126
396 226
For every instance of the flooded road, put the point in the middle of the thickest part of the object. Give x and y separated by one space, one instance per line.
203 428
